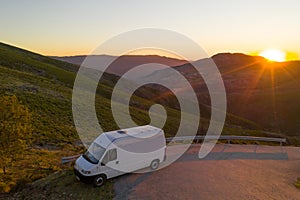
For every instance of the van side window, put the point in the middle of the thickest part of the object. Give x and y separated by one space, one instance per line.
110 156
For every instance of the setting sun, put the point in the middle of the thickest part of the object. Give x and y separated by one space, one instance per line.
274 55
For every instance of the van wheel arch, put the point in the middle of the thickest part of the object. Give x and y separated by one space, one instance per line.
99 180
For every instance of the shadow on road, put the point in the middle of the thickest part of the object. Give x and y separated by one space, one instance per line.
238 155
246 155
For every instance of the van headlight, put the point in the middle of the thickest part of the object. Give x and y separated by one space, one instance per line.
85 171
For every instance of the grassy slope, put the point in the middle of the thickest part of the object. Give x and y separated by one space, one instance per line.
63 185
45 86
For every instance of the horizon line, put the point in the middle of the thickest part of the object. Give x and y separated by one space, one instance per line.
159 55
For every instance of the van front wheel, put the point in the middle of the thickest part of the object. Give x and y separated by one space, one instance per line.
154 164
99 180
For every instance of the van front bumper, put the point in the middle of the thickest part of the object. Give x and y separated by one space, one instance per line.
83 178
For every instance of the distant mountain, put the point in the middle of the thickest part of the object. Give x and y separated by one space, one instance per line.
78 60
258 90
122 64
265 92
227 61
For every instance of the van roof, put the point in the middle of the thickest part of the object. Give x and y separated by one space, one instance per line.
140 132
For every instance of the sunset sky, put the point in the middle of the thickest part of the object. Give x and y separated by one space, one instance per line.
72 27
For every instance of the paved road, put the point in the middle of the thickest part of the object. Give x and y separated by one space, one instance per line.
229 172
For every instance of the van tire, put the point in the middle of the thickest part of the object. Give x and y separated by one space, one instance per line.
99 180
154 164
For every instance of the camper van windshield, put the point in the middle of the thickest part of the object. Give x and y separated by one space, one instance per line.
94 153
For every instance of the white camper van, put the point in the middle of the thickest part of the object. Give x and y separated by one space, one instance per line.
118 152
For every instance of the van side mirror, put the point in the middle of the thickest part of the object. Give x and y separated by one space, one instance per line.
102 164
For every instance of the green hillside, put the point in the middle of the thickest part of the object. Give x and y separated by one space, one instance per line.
45 86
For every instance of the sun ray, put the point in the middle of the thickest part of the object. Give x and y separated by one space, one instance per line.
250 89
241 67
293 78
